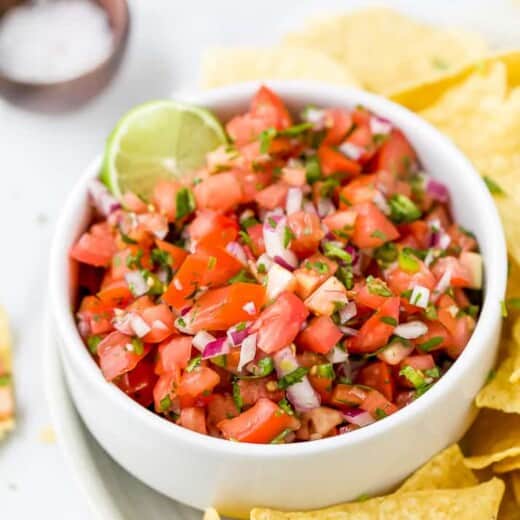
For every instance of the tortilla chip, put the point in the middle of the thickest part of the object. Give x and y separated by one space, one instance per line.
509 509
211 514
493 437
7 422
473 503
444 471
515 484
387 51
222 66
507 465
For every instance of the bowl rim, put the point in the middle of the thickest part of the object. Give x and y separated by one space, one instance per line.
495 276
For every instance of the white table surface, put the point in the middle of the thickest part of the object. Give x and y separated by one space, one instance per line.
41 156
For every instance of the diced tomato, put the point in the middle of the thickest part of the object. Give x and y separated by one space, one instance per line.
96 315
173 352
347 395
94 248
220 407
324 299
256 234
357 191
251 390
199 382
243 129
194 419
395 154
218 309
260 424
160 319
460 275
332 161
431 340
253 183
376 331
220 192
378 376
213 228
270 108
165 391
376 404
294 176
361 136
338 122
307 232
372 228
341 223
312 273
401 281
122 261
320 335
461 335
363 296
447 311
165 198
462 238
279 323
322 385
421 362
132 202
118 356
117 294
273 196
177 254
139 382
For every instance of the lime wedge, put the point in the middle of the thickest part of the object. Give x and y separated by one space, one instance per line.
158 140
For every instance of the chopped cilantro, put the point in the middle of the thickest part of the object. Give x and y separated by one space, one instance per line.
248 222
431 312
415 377
184 203
312 169
408 262
286 407
242 276
402 209
325 371
246 238
377 286
165 403
212 262
292 378
377 233
387 253
125 238
328 185
345 275
288 235
261 269
272 222
433 372
266 136
389 320
138 346
133 261
295 130
280 438
161 257
492 186
193 363
380 414
320 267
430 344
265 367
333 251
93 342
237 396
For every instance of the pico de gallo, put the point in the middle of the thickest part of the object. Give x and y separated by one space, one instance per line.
307 281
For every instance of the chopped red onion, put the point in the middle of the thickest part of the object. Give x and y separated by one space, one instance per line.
337 355
443 283
249 308
154 223
102 199
136 283
315 116
264 260
279 279
353 252
347 312
185 310
236 250
380 201
274 239
83 327
301 395
237 336
139 326
430 257
283 263
130 323
351 150
395 353
420 296
358 417
325 207
247 351
201 339
379 126
348 331
182 325
294 200
411 330
435 189
158 324
308 207
216 348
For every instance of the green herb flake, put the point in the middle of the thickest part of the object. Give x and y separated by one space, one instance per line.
380 414
433 372
292 378
242 276
345 275
378 286
312 169
288 235
503 308
92 343
125 238
237 396
165 403
492 186
389 320
387 253
138 346
193 364
431 312
286 407
513 304
280 438
295 130
415 377
161 257
377 233
212 262
184 203
246 238
266 136
430 344
265 367
248 222
402 209
333 251
408 262
325 371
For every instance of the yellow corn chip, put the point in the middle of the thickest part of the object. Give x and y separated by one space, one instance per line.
515 353
509 508
6 386
387 51
515 484
493 437
211 514
473 503
222 66
507 465
444 471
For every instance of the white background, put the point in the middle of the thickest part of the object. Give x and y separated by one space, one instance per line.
41 156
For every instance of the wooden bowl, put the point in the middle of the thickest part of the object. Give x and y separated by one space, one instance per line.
69 94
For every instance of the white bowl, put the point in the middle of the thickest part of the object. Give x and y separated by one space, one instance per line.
199 470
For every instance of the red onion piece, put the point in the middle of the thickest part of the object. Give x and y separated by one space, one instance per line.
395 353
130 323
347 312
436 189
154 223
411 330
379 125
301 395
443 283
136 283
250 308
201 339
294 200
216 348
236 250
337 355
237 336
247 351
102 199
351 150
308 207
283 263
325 207
358 417
274 239
348 331
420 296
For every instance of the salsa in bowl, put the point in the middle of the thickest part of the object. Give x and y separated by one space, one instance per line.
235 476
306 281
